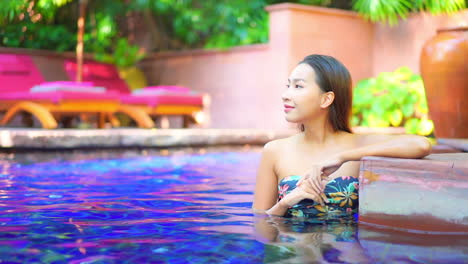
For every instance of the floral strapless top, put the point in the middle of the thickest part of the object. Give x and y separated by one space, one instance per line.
342 193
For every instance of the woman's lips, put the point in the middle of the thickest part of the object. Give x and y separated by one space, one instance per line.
288 108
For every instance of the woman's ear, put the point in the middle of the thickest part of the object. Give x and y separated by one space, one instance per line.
327 99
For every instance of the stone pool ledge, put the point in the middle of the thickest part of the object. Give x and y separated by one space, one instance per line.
41 139
423 196
19 138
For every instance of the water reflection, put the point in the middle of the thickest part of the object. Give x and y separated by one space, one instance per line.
344 241
309 241
182 208
390 246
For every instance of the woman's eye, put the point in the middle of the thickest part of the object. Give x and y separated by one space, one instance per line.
298 86
287 85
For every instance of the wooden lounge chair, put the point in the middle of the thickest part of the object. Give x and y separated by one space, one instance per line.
155 101
18 74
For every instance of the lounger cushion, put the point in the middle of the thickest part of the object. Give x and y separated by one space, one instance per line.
18 73
68 86
167 88
101 74
171 99
106 75
59 96
68 83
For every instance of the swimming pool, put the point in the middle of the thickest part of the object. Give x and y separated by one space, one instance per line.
177 206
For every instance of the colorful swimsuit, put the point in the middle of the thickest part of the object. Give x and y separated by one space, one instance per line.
342 193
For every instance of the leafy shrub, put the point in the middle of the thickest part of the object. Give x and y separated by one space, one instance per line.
392 99
124 54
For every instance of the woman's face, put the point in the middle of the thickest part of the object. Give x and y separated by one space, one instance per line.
302 97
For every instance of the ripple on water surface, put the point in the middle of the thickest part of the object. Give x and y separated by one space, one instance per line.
181 208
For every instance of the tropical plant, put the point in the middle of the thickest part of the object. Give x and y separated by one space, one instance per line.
173 24
392 99
124 54
30 24
52 24
390 11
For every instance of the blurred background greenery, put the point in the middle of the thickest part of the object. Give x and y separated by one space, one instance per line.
172 24
111 28
392 99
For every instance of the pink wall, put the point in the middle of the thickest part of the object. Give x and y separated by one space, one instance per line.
239 81
401 45
341 34
246 82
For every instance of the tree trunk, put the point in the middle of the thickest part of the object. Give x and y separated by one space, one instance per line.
80 43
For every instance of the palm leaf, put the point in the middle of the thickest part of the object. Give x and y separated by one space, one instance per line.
387 11
440 7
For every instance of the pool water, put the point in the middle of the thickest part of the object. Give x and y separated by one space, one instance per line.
179 206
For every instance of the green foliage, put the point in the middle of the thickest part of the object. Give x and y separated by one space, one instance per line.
124 54
29 24
177 24
11 9
187 23
211 23
38 36
439 7
392 99
51 24
389 11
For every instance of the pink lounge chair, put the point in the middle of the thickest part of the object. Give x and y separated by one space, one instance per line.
155 100
18 74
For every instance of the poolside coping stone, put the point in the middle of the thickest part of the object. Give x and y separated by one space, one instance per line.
458 143
429 195
18 138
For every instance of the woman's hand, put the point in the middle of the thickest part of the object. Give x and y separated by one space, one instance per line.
329 166
300 193
323 169
310 186
316 179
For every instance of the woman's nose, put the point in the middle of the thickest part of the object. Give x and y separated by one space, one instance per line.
285 95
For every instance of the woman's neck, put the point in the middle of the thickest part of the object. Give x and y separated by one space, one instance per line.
319 133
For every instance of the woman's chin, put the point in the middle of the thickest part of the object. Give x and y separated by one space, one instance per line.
292 119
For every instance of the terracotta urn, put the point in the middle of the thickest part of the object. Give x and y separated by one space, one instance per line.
444 69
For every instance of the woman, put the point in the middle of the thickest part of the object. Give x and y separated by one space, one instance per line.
314 173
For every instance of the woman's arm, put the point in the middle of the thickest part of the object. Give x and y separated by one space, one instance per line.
266 186
394 146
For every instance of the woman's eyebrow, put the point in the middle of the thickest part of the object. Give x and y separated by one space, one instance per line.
296 80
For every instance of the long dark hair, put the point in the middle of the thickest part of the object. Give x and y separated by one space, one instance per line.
332 76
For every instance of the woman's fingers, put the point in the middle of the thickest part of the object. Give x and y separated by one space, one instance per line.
311 193
306 187
316 198
324 197
318 184
307 181
300 181
313 183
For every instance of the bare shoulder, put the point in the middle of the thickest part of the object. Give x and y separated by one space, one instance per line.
278 145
